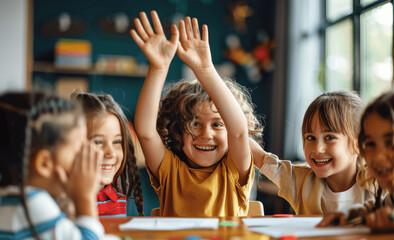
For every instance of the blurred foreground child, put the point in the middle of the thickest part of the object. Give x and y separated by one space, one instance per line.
44 154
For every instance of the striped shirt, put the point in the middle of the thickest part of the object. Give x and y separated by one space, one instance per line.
48 220
111 202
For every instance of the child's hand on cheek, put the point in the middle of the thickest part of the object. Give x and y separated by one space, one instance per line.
85 174
82 182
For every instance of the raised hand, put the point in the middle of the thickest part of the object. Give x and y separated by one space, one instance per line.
154 44
193 48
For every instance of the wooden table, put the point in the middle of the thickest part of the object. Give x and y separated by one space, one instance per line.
240 232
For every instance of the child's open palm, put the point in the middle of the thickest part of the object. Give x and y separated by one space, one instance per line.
155 46
194 50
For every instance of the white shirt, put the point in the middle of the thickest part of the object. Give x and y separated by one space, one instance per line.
341 201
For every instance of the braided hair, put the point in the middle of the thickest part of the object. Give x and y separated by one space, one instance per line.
29 122
96 106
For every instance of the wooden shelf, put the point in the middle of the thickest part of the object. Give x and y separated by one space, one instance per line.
48 67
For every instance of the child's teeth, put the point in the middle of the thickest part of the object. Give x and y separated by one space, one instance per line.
106 167
322 161
205 148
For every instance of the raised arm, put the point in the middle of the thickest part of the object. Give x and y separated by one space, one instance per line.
195 52
159 52
258 153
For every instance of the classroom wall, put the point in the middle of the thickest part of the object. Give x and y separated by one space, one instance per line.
125 90
13 44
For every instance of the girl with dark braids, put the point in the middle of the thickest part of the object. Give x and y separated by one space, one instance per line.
44 154
108 128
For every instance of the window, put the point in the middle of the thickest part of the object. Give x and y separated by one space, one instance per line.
376 50
332 45
339 56
358 46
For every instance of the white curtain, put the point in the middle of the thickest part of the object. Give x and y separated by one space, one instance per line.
303 69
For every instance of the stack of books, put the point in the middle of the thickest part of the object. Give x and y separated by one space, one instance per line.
73 54
116 64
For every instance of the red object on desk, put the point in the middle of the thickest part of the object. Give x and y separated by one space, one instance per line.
288 237
283 215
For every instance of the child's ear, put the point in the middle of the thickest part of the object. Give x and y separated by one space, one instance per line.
43 163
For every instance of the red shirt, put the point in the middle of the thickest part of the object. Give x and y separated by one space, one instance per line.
111 202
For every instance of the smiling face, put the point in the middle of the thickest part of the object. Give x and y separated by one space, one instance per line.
106 134
210 142
330 154
378 149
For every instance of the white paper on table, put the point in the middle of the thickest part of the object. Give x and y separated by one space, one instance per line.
282 221
170 223
299 226
277 231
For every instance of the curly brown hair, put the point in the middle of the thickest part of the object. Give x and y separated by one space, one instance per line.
96 106
177 111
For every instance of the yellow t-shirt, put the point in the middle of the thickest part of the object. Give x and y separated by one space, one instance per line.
206 192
